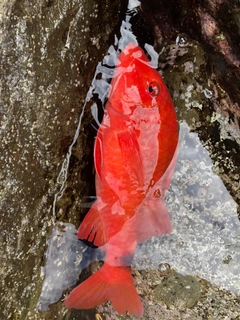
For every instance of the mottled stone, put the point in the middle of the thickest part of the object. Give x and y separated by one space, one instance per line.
49 51
178 290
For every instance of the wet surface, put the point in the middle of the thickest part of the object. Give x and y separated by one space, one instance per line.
64 263
49 54
205 240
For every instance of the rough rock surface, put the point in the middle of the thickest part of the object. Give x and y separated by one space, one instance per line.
49 51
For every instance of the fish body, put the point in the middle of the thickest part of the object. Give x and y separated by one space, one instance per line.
135 154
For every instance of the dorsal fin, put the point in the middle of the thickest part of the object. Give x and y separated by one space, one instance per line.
98 156
91 230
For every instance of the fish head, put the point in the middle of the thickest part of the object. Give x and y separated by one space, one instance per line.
137 84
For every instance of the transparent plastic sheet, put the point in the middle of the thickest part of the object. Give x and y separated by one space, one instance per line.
63 266
206 229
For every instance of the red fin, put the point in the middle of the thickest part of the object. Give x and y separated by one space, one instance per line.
131 155
109 283
98 156
91 229
152 219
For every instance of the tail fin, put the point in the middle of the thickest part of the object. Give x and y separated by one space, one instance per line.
109 283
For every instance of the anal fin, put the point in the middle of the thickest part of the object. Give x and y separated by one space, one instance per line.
152 219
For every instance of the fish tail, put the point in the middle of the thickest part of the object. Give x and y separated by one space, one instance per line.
109 283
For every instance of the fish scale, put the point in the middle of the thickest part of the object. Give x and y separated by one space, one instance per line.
135 154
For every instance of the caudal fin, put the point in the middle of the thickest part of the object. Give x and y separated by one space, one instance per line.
109 283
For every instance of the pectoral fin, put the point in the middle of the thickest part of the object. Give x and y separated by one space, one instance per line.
131 155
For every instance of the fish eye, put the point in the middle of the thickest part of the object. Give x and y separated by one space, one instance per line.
154 89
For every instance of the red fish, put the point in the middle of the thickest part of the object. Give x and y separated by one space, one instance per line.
135 155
